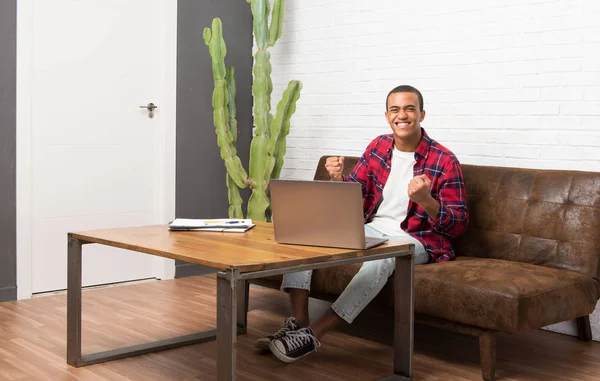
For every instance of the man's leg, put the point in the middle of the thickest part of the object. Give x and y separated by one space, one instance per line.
298 286
299 306
328 322
360 291
363 287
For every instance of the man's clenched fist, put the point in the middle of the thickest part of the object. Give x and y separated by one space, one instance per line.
418 189
335 166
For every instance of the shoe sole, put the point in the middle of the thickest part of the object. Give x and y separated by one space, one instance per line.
264 345
281 356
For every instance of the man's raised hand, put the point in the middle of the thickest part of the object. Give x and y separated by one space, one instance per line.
418 189
335 166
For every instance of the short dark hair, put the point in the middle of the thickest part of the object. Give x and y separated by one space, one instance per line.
405 89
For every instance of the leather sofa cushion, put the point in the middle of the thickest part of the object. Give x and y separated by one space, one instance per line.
488 293
500 295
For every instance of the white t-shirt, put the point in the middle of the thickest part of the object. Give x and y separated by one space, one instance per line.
394 205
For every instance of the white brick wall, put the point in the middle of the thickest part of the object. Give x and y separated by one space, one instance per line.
516 83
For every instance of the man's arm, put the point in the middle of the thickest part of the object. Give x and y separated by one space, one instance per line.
448 215
419 190
359 174
453 217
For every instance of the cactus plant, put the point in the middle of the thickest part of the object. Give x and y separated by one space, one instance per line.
268 145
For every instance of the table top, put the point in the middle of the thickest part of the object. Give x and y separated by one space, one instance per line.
254 250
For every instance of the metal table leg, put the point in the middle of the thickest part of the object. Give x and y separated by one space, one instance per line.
403 319
74 357
74 302
243 291
227 306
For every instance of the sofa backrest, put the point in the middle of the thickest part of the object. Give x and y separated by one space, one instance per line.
544 217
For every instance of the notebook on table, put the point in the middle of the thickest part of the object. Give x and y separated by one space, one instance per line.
228 225
319 213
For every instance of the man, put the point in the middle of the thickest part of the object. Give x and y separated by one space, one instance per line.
413 191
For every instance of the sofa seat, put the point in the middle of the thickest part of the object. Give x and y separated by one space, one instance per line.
502 295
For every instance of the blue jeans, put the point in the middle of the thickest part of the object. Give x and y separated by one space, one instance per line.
366 284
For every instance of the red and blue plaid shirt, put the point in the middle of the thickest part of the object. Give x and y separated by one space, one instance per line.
447 188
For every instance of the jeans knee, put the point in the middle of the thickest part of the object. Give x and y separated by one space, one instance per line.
299 279
385 267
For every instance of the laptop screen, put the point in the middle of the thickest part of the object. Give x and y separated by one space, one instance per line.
318 213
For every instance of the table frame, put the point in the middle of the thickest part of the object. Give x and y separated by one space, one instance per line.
232 308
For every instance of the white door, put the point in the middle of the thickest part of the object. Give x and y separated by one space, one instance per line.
90 157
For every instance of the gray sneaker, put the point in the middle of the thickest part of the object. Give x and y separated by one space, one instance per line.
295 344
289 325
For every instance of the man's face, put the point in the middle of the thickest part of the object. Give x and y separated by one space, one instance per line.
405 116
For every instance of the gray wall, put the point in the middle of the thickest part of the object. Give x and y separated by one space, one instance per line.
8 58
201 190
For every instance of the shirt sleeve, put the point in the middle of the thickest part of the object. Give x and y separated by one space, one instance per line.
453 216
359 173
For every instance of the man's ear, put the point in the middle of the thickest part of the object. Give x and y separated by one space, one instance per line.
422 115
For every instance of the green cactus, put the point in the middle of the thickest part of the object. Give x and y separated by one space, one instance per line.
233 192
268 145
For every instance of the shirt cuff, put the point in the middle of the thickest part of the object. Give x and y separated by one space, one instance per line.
437 223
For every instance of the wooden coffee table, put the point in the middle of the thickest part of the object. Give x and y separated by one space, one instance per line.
237 257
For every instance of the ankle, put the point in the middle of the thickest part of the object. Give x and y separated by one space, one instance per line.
318 331
328 322
303 322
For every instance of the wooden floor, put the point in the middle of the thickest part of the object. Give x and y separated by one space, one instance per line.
33 335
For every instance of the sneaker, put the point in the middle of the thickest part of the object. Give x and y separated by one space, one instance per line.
295 344
289 325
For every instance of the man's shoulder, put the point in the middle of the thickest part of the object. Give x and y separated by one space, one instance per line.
442 151
384 138
380 143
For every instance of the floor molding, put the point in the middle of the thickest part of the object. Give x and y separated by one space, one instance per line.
8 293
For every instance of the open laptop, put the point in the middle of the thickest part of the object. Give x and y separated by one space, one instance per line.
319 213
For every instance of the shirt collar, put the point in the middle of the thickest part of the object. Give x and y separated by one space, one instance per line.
423 146
422 149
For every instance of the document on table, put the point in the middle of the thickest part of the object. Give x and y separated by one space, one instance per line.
232 225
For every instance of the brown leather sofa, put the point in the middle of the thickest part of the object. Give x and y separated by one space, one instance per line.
529 258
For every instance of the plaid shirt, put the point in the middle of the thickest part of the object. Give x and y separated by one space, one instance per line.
447 188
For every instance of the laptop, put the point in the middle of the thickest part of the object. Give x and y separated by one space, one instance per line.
319 213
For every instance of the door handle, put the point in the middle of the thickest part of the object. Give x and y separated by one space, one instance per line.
150 107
